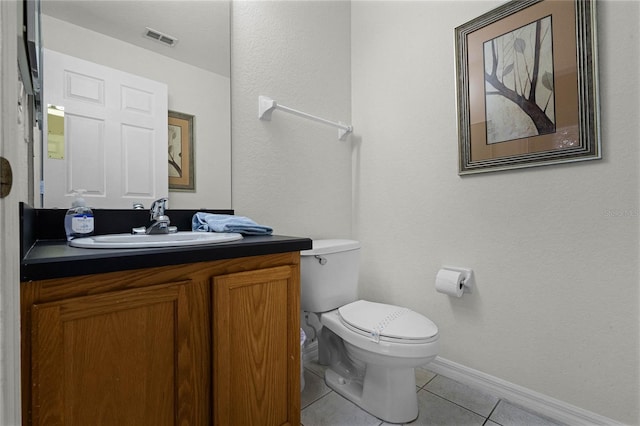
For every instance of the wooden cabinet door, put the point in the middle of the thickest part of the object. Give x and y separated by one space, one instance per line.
256 350
118 358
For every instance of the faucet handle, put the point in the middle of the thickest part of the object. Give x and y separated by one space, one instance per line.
158 207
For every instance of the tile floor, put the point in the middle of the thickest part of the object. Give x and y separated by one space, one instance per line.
442 402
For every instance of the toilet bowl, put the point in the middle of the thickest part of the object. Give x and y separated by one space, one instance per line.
371 349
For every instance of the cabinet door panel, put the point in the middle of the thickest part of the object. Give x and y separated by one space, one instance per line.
256 347
111 359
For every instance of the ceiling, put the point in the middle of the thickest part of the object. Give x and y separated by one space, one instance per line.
201 26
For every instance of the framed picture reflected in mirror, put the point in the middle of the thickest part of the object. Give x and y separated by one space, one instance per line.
180 145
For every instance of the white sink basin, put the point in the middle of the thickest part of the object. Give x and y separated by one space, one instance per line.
178 239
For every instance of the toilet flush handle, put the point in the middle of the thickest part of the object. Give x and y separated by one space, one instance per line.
321 260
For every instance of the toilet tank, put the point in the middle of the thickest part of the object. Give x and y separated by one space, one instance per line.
329 275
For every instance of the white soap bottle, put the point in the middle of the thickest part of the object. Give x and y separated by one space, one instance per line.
78 222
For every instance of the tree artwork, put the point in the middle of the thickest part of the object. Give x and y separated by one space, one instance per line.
175 151
519 83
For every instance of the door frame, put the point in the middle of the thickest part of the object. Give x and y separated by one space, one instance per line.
15 117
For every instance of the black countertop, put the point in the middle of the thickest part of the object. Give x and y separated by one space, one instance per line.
56 259
47 255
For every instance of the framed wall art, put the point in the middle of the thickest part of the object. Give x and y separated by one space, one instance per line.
527 86
181 159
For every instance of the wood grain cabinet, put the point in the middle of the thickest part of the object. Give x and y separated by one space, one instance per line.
199 344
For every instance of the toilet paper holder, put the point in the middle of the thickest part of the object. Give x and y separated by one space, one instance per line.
469 280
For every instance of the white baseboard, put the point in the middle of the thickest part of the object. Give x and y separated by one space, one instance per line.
518 395
544 405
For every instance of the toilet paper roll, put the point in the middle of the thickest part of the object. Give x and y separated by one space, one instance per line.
450 282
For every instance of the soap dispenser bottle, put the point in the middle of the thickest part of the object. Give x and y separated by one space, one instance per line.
78 221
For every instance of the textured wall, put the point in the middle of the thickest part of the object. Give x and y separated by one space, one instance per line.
291 173
556 307
555 249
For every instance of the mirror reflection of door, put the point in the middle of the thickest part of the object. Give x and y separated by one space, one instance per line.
196 71
114 139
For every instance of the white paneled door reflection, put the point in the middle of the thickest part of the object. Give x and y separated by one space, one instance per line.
113 141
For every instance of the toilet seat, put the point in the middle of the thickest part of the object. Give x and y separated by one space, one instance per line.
389 323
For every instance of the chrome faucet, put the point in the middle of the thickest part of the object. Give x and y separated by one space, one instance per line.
157 209
159 221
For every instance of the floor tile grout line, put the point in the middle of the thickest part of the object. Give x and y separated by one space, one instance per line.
329 390
314 372
466 408
316 400
455 403
419 389
491 413
428 381
486 419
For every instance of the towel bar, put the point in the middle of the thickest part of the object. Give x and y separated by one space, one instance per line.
267 105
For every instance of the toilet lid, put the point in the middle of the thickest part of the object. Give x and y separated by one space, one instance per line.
387 322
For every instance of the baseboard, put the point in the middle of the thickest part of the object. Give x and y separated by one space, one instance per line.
542 404
518 395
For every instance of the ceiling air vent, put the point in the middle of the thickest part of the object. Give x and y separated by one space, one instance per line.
160 37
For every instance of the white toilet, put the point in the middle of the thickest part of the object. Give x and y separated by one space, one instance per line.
371 349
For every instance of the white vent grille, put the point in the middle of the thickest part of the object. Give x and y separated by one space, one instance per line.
160 37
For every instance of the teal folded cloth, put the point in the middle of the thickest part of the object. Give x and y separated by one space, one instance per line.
211 222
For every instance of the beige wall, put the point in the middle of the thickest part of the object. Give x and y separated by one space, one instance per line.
554 249
291 173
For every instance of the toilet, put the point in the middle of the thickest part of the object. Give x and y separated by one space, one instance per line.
370 349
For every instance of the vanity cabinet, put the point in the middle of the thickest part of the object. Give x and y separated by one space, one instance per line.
254 326
196 344
114 356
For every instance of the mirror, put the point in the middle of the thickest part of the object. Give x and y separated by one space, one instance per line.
184 44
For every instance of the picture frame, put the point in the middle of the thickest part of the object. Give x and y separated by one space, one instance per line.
180 152
527 86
